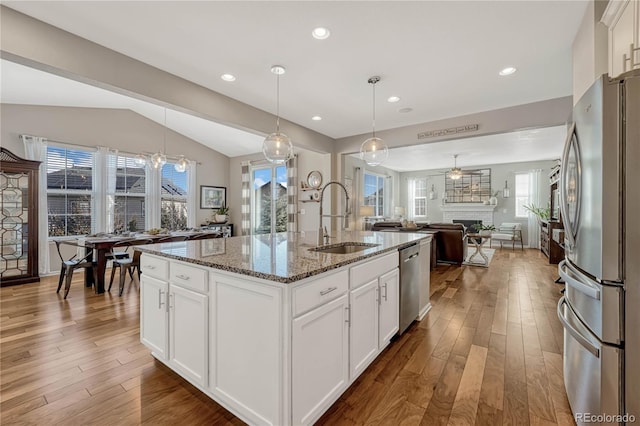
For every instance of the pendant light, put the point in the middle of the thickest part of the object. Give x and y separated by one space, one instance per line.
505 191
159 159
374 151
277 147
181 164
456 172
433 194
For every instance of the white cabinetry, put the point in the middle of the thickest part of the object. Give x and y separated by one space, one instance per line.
622 17
153 315
173 317
373 322
320 359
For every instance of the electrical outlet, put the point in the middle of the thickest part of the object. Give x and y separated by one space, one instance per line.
302 211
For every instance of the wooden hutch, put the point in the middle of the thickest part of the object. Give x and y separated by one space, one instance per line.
552 230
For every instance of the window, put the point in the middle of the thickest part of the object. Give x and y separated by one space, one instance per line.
374 193
522 194
269 199
417 198
69 191
131 189
173 213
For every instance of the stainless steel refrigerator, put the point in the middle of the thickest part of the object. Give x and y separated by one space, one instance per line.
600 207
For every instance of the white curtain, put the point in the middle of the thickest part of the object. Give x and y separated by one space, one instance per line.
245 209
411 198
35 148
534 198
104 190
153 199
358 195
192 195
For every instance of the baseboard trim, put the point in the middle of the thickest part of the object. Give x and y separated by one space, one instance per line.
423 312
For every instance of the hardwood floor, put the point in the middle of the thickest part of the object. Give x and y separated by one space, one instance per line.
488 353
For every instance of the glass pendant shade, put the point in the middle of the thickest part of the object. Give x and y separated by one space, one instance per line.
158 160
277 148
181 165
140 160
374 151
455 174
506 192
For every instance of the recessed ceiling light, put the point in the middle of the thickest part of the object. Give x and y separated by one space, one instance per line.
278 69
320 33
316 118
393 99
405 110
228 77
507 71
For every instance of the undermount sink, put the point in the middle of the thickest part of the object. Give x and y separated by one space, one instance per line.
344 248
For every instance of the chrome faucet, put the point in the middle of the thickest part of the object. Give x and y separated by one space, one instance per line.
325 236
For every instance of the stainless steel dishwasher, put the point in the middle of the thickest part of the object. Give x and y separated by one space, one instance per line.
409 285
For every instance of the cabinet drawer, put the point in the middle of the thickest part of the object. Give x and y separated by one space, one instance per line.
372 269
315 293
154 266
190 277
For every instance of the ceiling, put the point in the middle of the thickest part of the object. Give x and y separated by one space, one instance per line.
440 57
525 145
28 86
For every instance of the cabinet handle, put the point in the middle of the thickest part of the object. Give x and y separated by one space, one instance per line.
150 267
183 277
160 303
348 320
385 292
378 296
328 290
171 306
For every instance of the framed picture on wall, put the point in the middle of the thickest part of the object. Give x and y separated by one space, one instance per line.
212 197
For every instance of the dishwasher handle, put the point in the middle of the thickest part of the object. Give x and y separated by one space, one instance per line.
411 257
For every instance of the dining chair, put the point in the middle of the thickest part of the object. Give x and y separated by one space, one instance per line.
70 264
126 265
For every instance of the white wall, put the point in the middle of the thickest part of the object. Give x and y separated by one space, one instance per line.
115 128
505 211
589 49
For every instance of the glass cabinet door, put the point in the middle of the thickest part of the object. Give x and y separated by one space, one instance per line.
14 226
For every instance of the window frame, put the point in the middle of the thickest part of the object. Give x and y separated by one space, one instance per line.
377 205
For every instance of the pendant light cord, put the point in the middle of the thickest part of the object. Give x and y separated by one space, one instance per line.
374 109
277 103
164 149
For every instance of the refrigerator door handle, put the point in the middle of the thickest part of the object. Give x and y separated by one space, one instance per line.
569 224
577 280
575 333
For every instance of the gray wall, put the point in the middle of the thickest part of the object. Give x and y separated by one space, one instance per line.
115 128
505 211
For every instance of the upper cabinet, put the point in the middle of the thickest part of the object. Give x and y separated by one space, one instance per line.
622 17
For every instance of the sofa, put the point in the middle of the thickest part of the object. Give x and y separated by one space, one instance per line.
449 238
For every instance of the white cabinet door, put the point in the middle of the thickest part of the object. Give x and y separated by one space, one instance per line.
389 306
320 359
363 333
153 315
188 333
621 38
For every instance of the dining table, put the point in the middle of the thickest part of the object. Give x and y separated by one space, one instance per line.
101 245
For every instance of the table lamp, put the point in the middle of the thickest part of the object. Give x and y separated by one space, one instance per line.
365 211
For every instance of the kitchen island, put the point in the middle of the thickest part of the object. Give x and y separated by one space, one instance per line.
266 325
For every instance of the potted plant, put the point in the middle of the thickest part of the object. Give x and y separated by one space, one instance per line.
541 213
220 215
485 230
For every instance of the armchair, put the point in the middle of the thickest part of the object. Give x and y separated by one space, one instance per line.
508 232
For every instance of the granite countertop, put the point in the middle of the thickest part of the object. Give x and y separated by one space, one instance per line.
283 257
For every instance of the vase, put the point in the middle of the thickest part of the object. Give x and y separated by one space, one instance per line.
485 232
493 201
220 218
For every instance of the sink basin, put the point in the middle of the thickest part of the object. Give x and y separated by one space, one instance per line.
344 248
